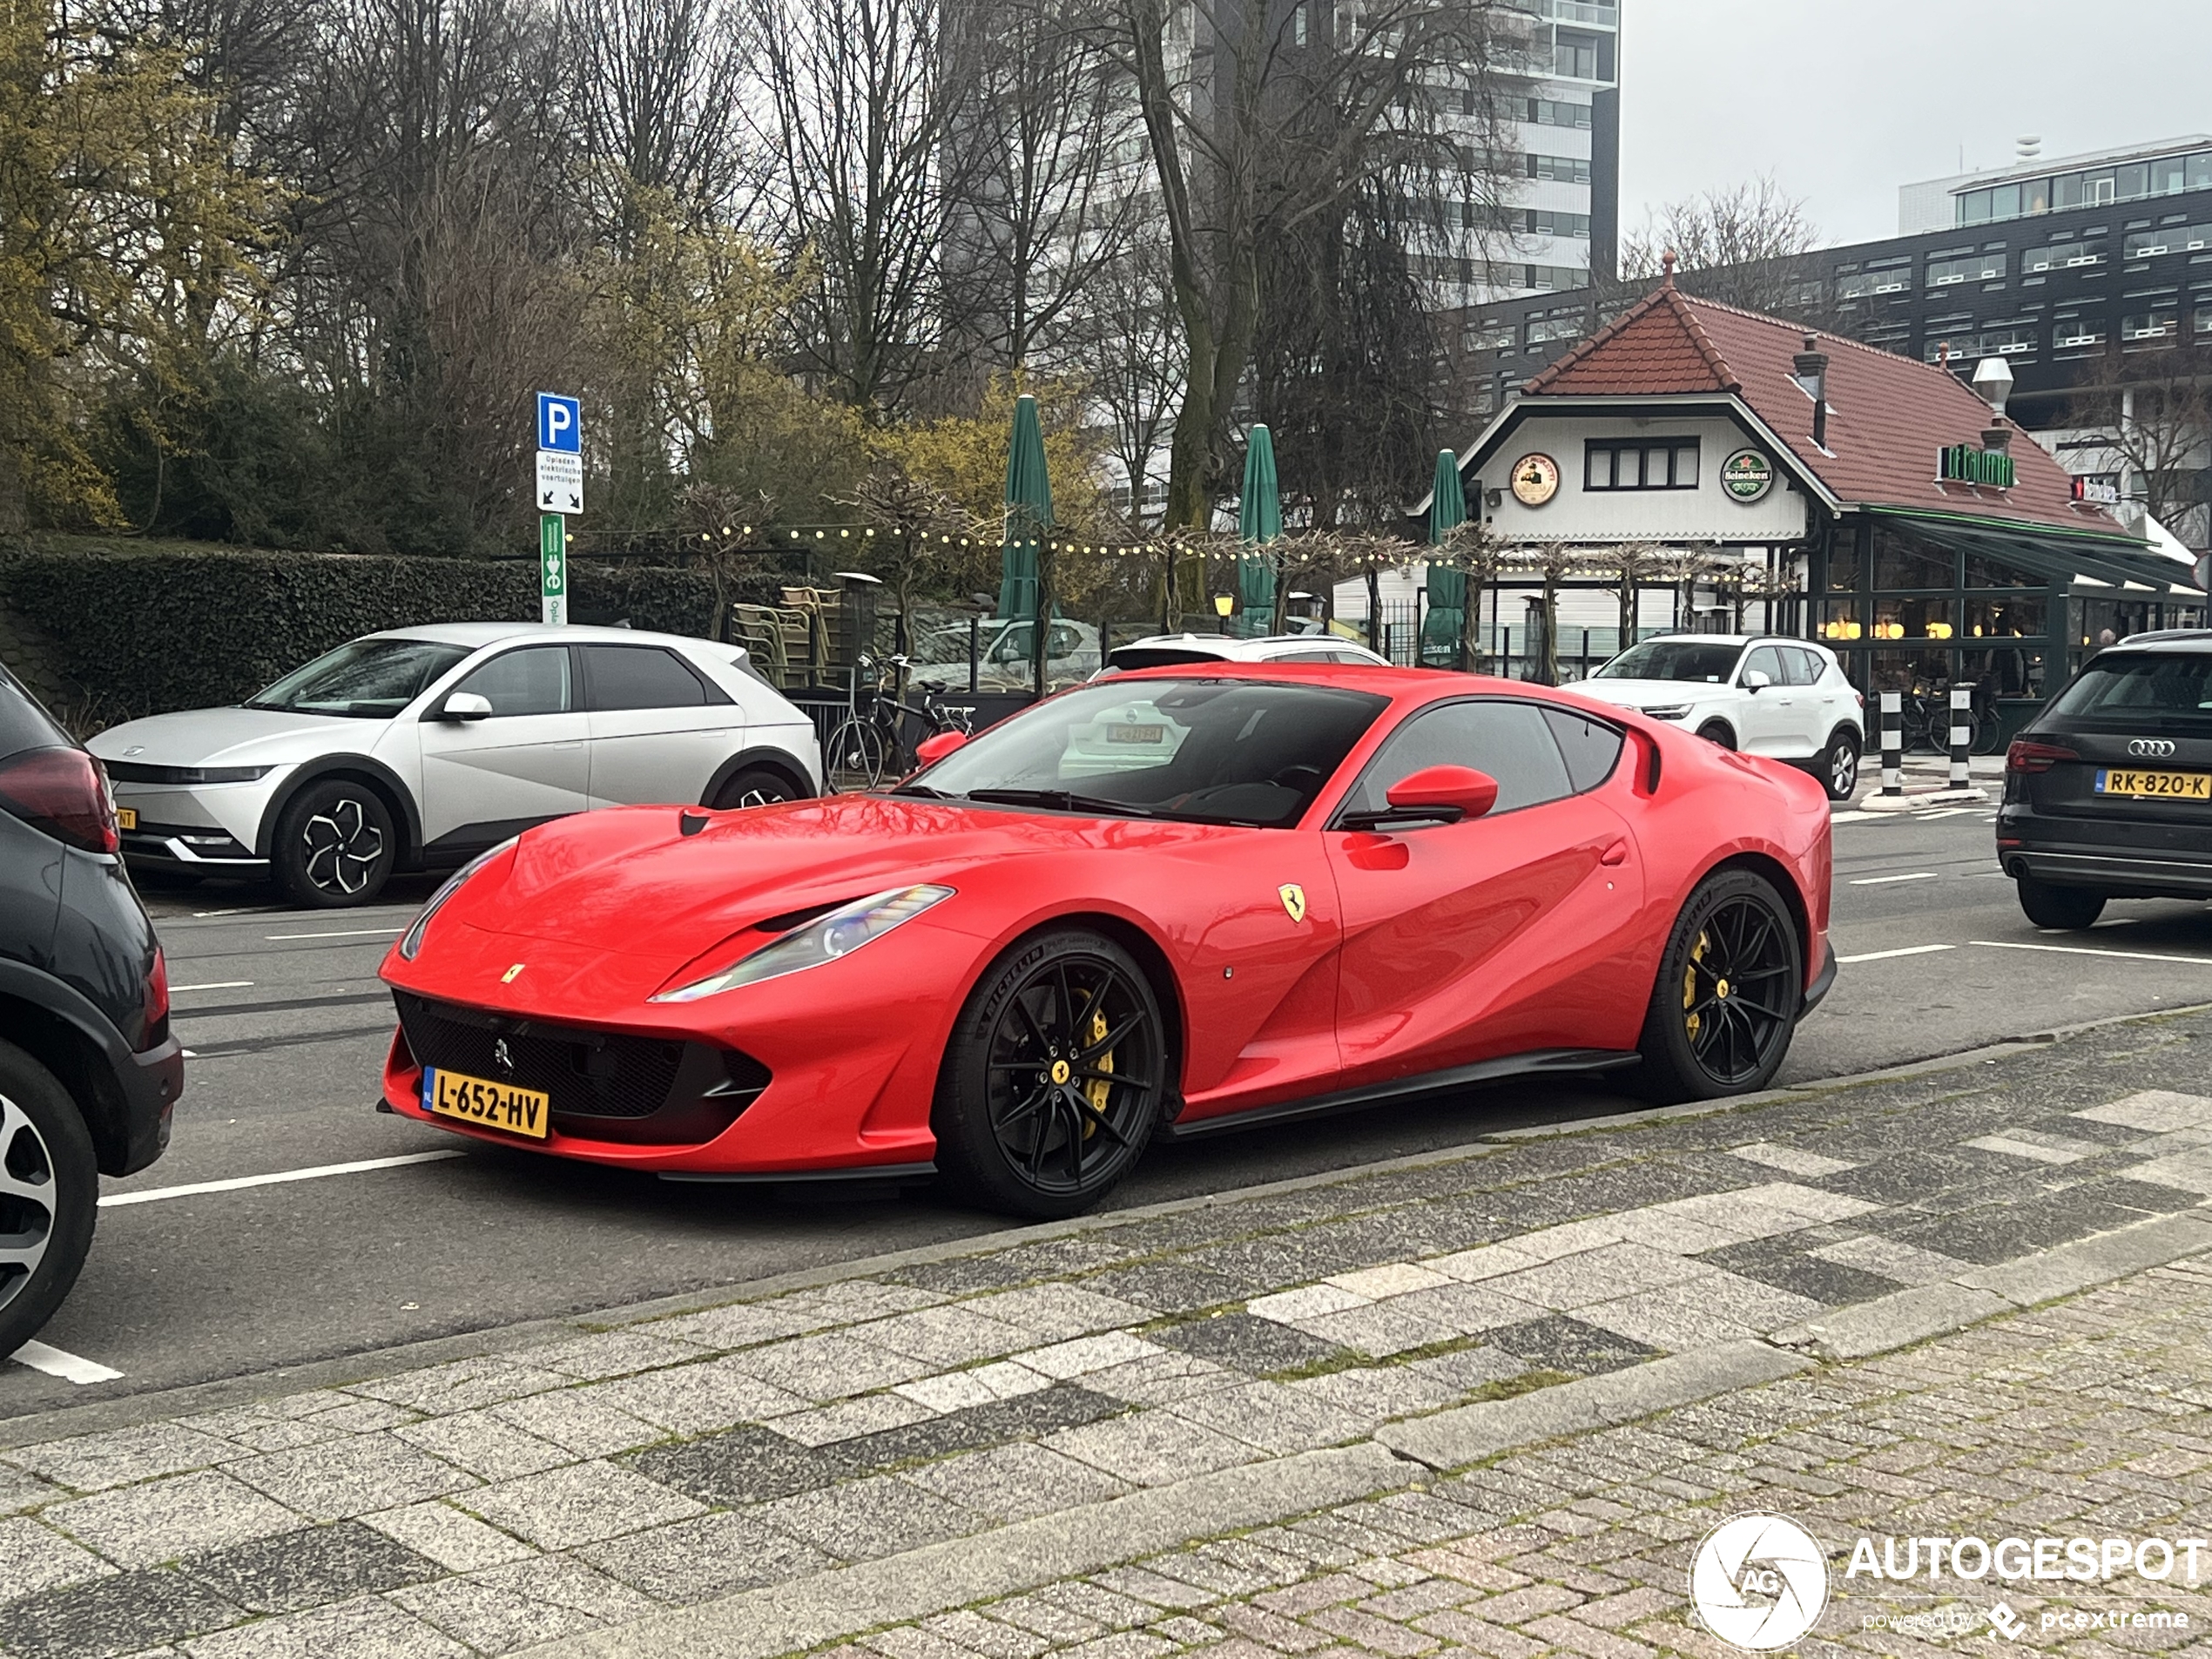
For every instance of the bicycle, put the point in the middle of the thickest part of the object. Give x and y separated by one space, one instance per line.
1923 721
870 743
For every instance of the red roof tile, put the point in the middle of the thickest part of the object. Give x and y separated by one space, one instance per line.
1887 415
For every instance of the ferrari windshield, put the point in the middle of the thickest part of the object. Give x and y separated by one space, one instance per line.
1675 659
1200 750
369 680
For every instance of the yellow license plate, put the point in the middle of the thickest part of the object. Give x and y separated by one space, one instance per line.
126 818
2156 786
488 1105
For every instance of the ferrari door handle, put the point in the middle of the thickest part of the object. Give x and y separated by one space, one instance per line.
1617 853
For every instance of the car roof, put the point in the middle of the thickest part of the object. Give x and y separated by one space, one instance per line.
1729 639
476 635
2194 639
1232 649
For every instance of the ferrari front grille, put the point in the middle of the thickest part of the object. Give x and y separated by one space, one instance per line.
583 1073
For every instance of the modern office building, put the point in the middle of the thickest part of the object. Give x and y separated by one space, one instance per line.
1559 216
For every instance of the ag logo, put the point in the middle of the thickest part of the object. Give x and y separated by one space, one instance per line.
1293 898
1759 1581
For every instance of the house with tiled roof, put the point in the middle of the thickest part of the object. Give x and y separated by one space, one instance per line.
1891 511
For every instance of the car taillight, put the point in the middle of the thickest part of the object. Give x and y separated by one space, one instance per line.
61 792
157 997
2027 755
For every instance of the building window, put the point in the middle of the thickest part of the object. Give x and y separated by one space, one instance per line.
1889 276
1634 463
1565 170
1552 112
1579 56
1568 326
1488 336
2150 328
2016 340
2060 256
1900 562
1982 571
2204 319
1970 268
2171 239
2076 333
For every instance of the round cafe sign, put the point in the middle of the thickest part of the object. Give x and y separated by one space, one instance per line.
1535 480
1747 475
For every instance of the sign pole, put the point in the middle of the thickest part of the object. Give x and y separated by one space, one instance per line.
552 567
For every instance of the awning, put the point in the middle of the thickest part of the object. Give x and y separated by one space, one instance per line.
2052 553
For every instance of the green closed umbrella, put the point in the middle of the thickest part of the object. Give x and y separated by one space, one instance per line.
1259 521
1029 512
1447 588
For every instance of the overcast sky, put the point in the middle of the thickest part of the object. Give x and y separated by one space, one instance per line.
1845 100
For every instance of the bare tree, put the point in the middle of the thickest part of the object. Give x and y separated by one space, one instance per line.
1744 245
655 88
857 101
2154 409
1123 347
1049 152
1262 118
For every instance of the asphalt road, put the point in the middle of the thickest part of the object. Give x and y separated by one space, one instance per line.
287 1025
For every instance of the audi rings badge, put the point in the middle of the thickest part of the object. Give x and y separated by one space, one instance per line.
2150 748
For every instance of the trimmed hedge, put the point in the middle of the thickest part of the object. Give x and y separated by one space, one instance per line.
145 631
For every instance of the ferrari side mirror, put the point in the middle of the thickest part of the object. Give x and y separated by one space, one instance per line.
930 751
1432 795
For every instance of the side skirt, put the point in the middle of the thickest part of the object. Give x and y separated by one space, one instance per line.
1537 1063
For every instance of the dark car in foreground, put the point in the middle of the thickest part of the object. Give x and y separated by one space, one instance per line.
89 1070
2109 790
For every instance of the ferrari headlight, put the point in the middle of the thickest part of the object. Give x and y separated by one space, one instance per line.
411 940
823 939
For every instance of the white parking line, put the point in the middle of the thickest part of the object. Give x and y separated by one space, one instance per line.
2092 950
1905 950
349 932
212 984
238 1183
1877 881
69 1367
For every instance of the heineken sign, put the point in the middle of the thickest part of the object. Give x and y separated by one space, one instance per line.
1747 475
1963 464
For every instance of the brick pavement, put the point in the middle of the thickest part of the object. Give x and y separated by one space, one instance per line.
2093 1416
546 1491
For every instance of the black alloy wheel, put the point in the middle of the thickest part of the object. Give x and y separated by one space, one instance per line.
1730 985
335 845
1054 1077
754 786
1717 731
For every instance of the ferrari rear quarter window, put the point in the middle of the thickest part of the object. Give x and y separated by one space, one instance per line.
1241 751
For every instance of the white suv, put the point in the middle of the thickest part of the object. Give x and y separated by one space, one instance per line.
1765 695
1169 650
423 746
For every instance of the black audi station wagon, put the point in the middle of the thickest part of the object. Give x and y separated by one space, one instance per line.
2109 790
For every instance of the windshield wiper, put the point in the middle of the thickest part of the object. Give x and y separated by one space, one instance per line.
1067 801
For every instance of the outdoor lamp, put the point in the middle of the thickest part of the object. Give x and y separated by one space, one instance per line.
1223 604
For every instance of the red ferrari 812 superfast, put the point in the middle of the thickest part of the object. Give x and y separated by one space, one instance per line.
1162 904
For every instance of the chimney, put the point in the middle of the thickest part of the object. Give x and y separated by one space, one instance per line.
1812 367
1994 380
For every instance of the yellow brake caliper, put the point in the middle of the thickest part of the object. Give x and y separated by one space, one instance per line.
1096 1090
1689 985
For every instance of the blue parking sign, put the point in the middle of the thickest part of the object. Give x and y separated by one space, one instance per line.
559 424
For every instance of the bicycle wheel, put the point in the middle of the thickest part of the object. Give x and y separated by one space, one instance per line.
1988 733
853 756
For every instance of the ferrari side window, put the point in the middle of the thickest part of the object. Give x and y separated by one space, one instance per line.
1510 741
1590 746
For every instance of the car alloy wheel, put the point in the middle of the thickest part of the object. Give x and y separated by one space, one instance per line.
1073 1068
1736 998
27 1201
754 786
1842 768
1057 1071
341 848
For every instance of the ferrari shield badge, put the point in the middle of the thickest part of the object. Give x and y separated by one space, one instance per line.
1293 897
507 978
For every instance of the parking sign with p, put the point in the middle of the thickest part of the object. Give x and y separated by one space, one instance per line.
558 426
